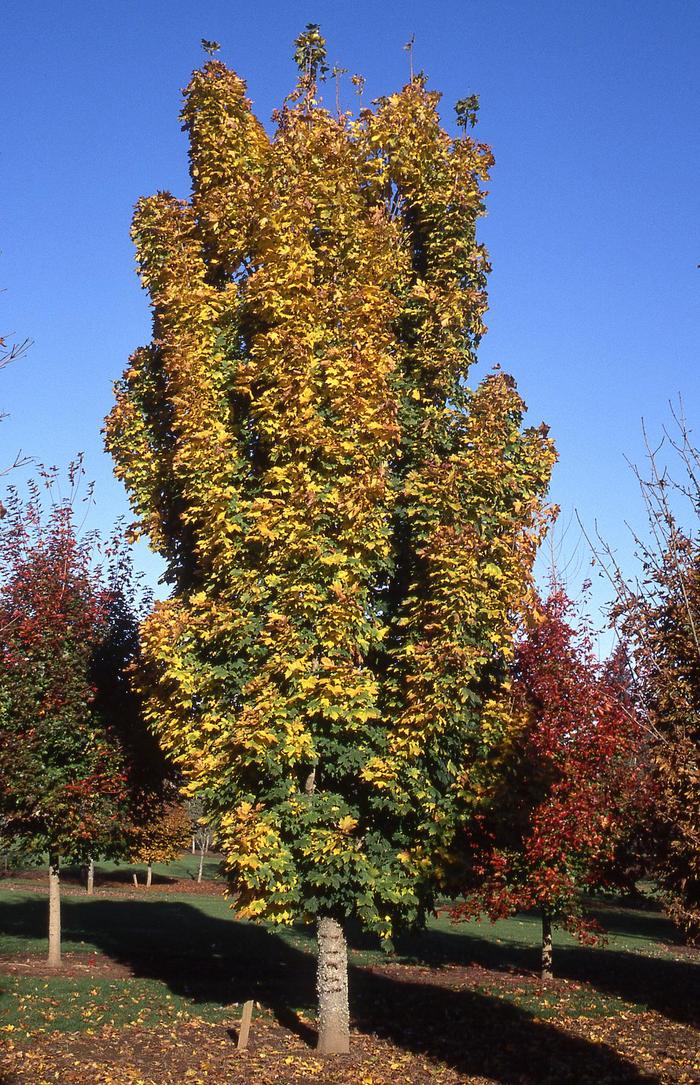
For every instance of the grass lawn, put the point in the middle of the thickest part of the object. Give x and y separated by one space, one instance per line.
174 962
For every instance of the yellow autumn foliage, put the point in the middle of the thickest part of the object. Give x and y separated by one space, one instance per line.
349 530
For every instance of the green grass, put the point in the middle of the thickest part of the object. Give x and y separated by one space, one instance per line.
107 925
75 1004
191 956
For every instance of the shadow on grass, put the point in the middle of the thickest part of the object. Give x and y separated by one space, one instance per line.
658 983
639 918
211 959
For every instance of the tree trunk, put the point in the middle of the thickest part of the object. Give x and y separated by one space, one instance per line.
332 987
547 973
91 877
201 862
54 957
149 876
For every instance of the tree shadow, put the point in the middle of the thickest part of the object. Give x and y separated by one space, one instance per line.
199 956
638 919
668 986
210 959
485 1037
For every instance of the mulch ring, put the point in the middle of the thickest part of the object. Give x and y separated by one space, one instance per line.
120 883
459 977
72 965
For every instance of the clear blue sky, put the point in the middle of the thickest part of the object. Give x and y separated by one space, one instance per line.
591 106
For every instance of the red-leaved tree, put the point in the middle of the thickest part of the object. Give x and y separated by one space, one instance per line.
62 774
575 787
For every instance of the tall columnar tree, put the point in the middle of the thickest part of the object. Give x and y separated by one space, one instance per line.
349 529
576 787
61 769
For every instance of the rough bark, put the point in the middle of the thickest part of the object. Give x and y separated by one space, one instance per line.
310 785
91 878
149 876
54 957
332 987
547 973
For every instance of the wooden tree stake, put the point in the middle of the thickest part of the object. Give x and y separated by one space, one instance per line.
244 1030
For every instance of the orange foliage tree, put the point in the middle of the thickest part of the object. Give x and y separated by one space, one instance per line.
159 836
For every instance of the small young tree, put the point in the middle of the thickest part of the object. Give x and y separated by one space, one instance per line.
63 779
201 831
576 785
348 528
159 837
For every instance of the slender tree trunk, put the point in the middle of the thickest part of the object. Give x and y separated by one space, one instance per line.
193 845
54 957
201 862
332 987
136 881
547 973
91 877
149 876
